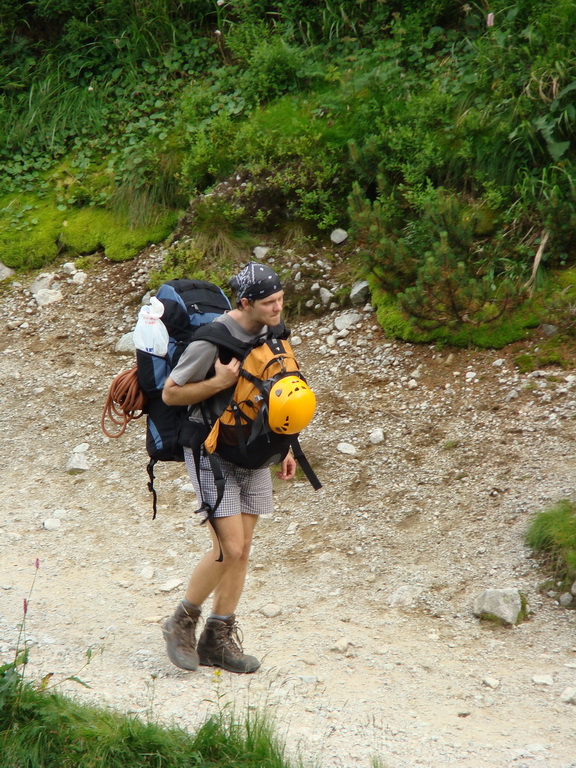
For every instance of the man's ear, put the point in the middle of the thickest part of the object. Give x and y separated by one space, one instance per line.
245 303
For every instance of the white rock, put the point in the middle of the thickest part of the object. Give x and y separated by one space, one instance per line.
77 463
5 271
404 595
260 251
470 375
52 524
147 572
169 586
412 384
326 296
271 610
295 341
565 599
376 436
346 320
360 293
341 645
498 363
338 236
568 696
573 588
69 268
82 448
79 278
45 296
503 604
346 448
43 282
543 679
125 345
491 682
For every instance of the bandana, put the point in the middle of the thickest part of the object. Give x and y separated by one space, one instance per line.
255 281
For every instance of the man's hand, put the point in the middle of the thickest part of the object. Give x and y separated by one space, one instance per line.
288 468
226 375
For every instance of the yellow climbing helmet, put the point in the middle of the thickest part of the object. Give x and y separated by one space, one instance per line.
291 405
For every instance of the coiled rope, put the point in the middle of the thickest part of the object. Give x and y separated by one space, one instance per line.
125 402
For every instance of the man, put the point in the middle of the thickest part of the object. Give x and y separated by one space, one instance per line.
201 375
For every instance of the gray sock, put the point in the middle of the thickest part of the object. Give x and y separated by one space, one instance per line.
220 618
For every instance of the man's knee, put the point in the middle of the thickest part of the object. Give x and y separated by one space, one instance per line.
234 553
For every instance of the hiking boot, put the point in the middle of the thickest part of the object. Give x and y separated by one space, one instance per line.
180 635
220 646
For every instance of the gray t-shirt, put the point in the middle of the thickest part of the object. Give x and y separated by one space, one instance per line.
199 357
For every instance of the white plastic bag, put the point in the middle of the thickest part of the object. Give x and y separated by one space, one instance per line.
150 334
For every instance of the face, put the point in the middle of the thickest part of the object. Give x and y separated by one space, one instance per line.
267 311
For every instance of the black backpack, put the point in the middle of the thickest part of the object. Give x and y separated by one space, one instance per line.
188 305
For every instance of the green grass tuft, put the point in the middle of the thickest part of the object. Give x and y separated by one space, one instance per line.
553 533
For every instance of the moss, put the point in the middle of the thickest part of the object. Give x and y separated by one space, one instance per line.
525 363
35 232
566 278
490 336
29 230
549 355
92 229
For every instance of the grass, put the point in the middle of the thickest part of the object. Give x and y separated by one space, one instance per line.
552 533
48 730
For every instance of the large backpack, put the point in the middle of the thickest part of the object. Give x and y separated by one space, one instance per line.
188 305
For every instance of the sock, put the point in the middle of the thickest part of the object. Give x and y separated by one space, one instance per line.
190 606
220 618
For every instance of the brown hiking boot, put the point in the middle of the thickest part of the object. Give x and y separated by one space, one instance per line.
220 646
180 635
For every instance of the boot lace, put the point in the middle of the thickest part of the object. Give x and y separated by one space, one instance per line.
233 638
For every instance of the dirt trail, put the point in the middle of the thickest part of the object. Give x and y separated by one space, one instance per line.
359 598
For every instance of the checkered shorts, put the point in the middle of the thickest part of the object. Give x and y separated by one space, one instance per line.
247 491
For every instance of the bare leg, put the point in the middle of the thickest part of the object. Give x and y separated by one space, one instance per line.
225 579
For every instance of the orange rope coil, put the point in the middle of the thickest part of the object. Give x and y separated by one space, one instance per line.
125 401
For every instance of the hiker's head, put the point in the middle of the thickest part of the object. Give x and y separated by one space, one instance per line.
255 282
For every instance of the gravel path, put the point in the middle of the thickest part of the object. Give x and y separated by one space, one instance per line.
359 598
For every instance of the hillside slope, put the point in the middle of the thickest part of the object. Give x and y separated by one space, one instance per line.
359 595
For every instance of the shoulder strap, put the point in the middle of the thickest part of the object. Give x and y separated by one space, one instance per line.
304 463
218 333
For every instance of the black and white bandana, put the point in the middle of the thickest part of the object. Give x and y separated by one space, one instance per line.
255 281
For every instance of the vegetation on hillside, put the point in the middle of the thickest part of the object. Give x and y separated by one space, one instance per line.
552 534
440 133
40 727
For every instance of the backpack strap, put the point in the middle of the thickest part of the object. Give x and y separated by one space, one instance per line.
150 470
304 463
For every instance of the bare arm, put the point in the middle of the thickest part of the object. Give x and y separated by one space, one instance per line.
288 469
196 391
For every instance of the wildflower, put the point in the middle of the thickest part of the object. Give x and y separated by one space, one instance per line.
220 2
217 32
490 20
25 606
37 563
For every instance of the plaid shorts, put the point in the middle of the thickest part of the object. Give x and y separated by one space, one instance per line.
247 491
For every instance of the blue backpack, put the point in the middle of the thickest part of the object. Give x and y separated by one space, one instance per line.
188 305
